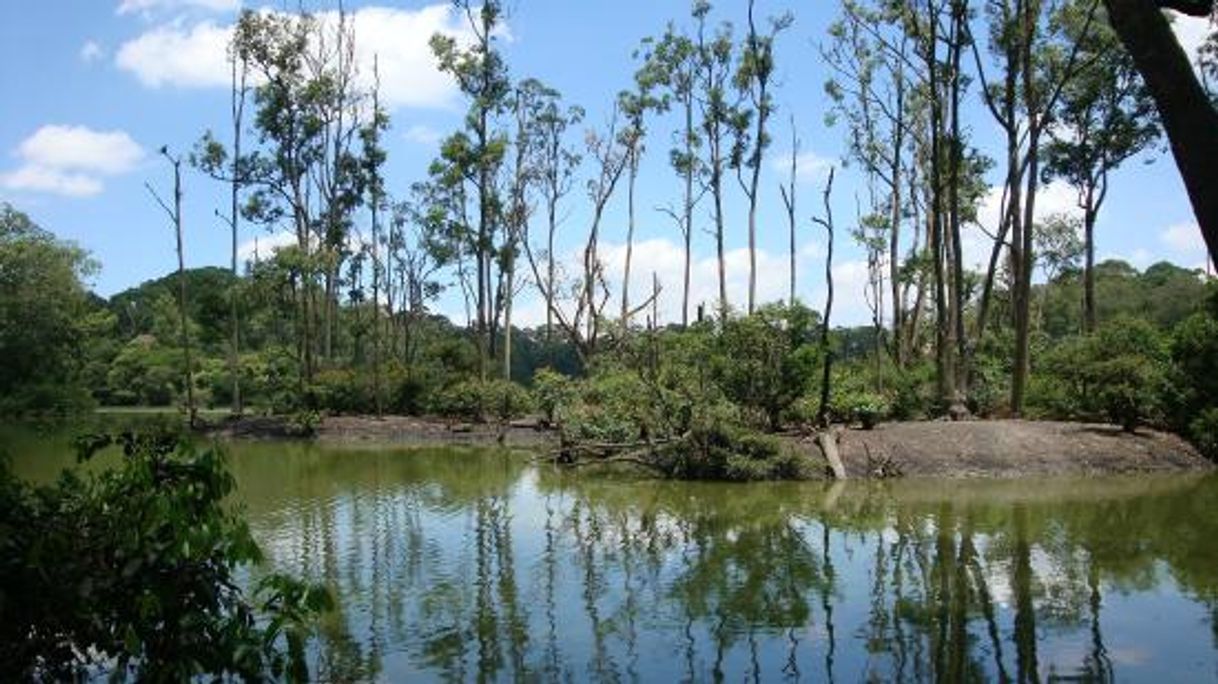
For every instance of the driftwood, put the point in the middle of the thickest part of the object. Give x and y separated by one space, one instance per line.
827 439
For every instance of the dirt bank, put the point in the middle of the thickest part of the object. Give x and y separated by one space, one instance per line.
401 430
996 448
1009 448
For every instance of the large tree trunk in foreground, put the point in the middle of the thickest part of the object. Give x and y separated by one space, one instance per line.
1188 116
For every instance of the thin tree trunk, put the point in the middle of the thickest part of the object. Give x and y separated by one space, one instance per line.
234 358
689 207
634 172
822 412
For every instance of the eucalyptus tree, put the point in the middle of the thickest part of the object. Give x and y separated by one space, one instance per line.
1036 67
304 170
173 209
610 156
531 108
478 152
213 159
372 162
635 105
872 91
1103 117
672 64
788 202
554 162
754 80
720 117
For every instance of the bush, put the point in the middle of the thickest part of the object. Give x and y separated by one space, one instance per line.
133 571
343 391
479 401
1203 430
768 360
726 453
865 408
1119 374
552 390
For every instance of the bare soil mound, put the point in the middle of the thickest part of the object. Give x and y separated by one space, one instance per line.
1012 448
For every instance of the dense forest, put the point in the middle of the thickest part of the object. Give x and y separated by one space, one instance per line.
344 320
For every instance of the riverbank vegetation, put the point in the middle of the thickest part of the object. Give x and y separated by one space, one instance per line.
343 320
132 572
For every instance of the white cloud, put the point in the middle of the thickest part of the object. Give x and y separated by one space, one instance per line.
666 259
264 246
422 135
185 58
1055 198
810 167
91 51
69 160
148 6
81 148
1191 32
397 40
41 179
1139 258
1183 238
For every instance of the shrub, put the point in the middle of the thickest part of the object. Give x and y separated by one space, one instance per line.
343 391
1120 374
552 390
1203 430
768 360
726 453
133 571
479 401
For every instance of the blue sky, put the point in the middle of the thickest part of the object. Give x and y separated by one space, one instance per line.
94 87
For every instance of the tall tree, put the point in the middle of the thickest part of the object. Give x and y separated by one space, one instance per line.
304 169
174 211
481 73
754 80
788 202
372 161
719 117
635 104
213 159
673 64
1104 116
554 163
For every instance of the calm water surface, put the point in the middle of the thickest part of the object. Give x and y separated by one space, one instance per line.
477 565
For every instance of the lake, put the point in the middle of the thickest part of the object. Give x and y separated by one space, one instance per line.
482 565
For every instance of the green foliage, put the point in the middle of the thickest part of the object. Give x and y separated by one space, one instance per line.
1203 430
1119 374
481 401
723 452
767 361
342 390
133 570
552 390
43 306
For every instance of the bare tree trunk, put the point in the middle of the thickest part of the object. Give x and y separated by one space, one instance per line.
689 207
238 108
822 412
175 216
634 172
788 201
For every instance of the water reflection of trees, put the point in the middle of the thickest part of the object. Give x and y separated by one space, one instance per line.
481 568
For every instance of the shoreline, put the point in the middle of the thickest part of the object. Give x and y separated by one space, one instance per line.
977 449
